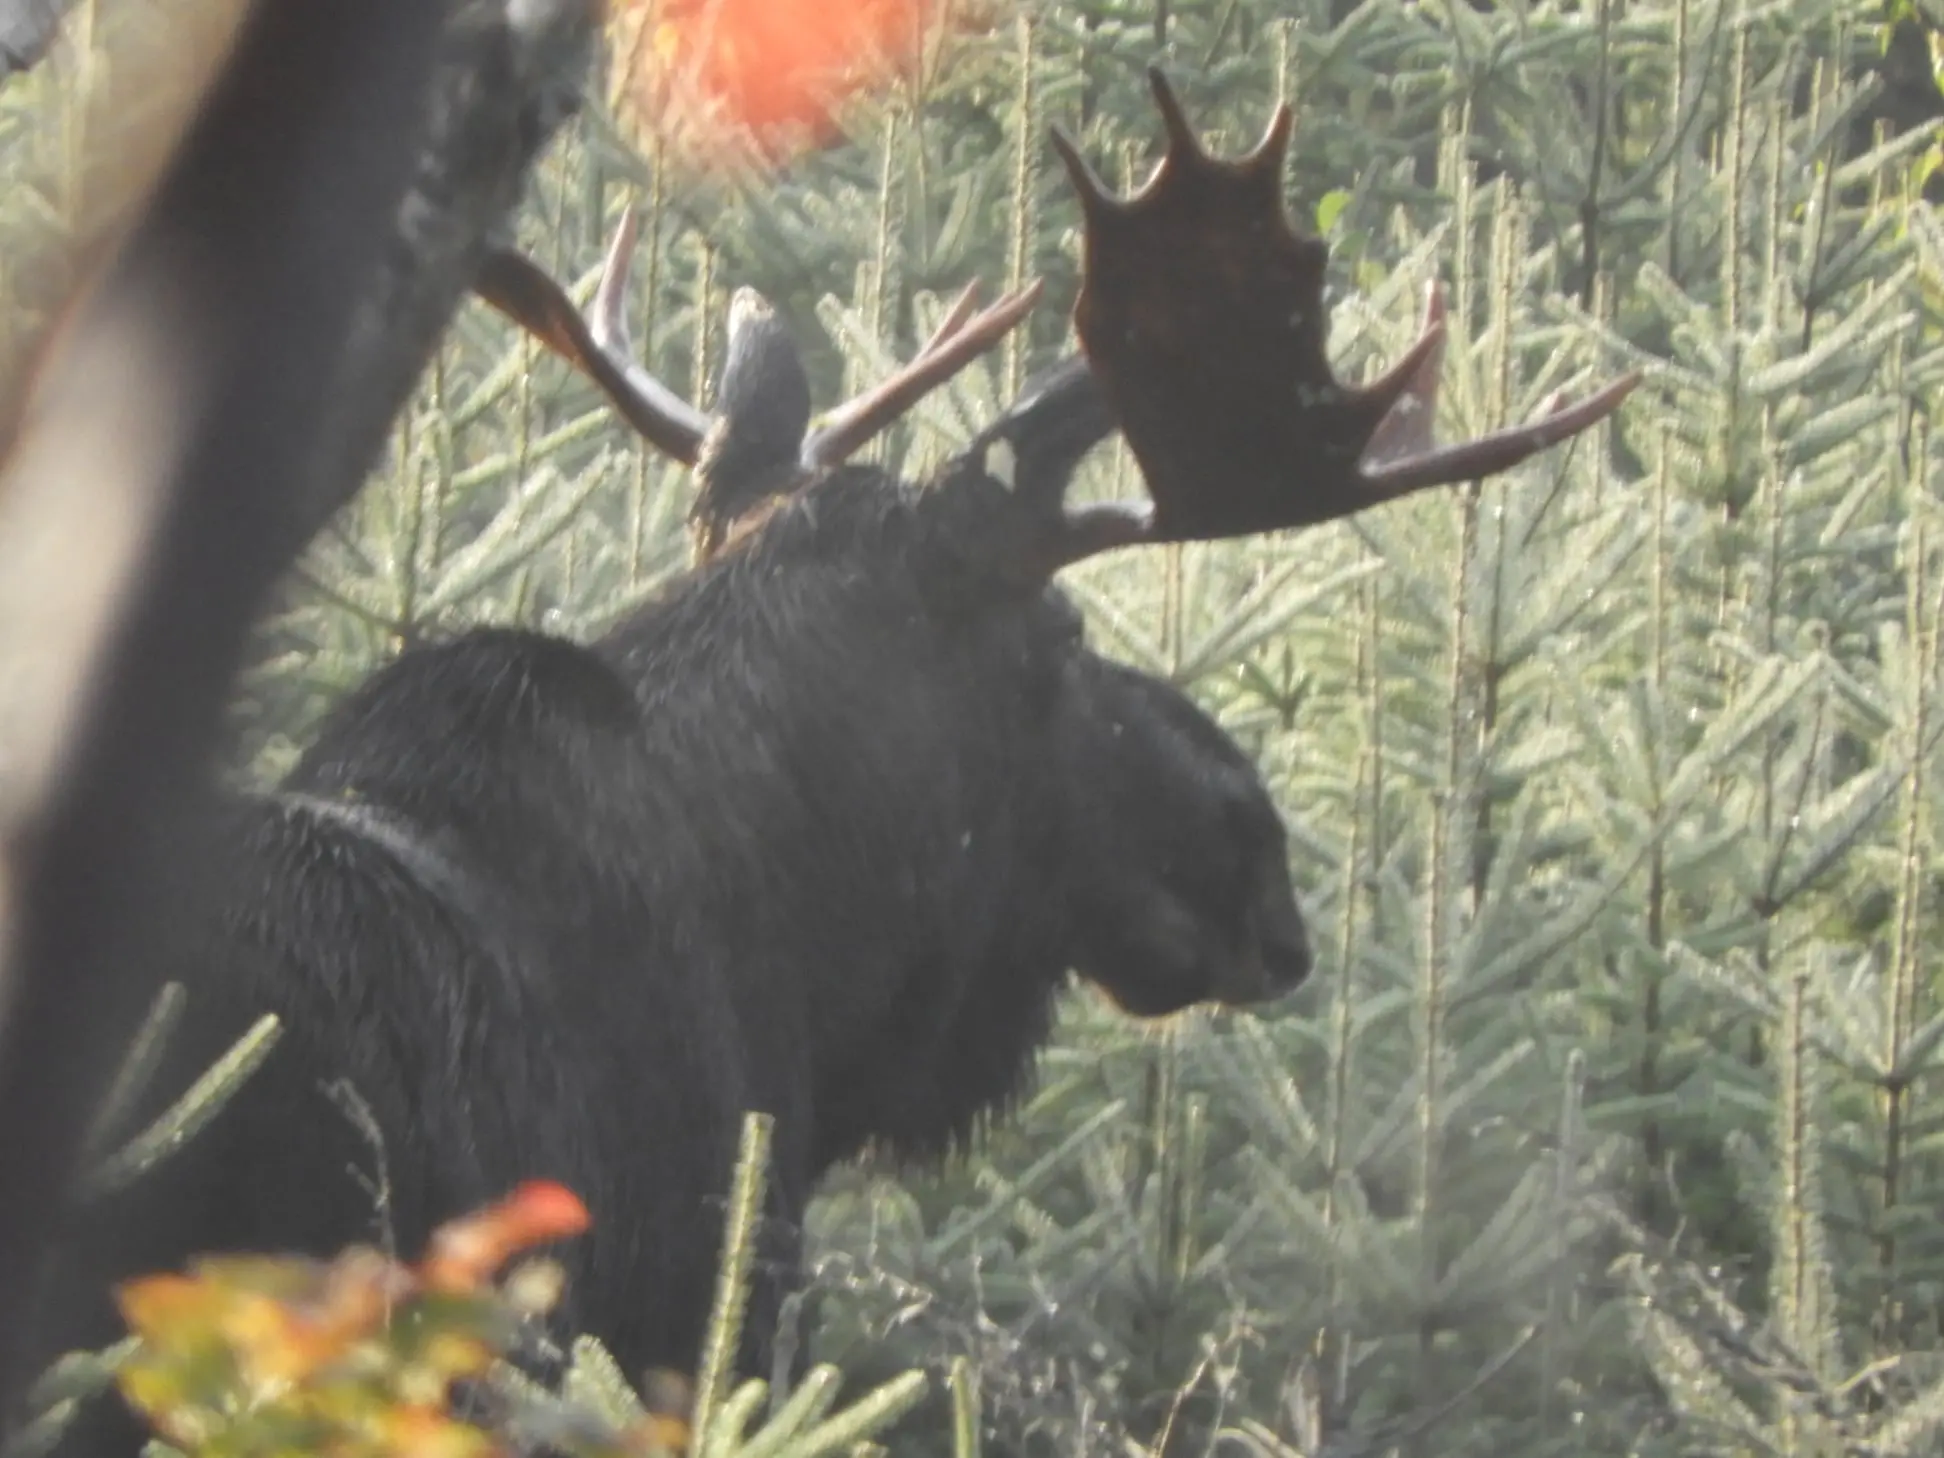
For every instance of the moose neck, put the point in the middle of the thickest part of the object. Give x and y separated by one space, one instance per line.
860 710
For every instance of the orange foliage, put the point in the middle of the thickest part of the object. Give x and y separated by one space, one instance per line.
465 1252
770 67
354 1357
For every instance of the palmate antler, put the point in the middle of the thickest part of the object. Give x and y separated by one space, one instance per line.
759 445
1201 316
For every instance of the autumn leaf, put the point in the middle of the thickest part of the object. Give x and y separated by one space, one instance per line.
771 70
467 1251
355 1357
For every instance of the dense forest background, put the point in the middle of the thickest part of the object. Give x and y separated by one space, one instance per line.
1613 1121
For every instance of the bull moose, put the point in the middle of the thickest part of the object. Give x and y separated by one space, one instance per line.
824 828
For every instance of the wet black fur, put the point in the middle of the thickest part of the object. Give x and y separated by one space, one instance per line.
821 833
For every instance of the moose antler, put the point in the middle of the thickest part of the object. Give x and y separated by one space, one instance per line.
1201 314
760 445
523 291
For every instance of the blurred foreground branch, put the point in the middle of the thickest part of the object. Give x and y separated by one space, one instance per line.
27 29
218 387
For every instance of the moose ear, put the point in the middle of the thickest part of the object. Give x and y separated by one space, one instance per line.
1201 312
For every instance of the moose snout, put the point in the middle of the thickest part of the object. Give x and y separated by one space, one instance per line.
1275 957
1286 955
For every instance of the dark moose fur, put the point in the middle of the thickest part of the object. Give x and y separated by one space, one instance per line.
820 833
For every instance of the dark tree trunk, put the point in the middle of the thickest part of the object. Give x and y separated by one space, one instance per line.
509 72
275 300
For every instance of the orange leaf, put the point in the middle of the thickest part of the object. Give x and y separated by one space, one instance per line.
170 1308
465 1252
427 1432
769 66
271 1346
657 1433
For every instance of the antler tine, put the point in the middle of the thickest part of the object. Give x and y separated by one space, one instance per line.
847 428
609 322
1181 133
523 291
1499 451
1269 154
1096 202
954 319
1408 391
